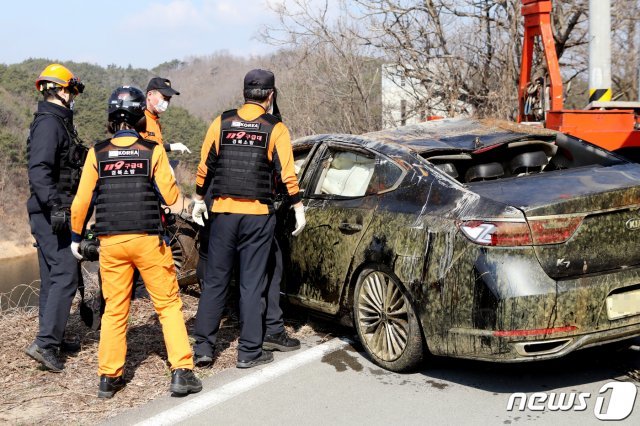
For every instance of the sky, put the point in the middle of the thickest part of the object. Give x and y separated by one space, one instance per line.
140 33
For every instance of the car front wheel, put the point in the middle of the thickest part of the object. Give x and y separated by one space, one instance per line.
386 322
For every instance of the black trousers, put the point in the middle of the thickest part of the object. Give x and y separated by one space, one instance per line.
250 238
58 280
273 321
273 316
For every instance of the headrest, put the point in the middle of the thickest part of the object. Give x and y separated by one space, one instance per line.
347 160
484 172
448 168
528 160
343 160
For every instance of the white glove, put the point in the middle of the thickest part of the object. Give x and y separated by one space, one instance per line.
300 220
75 250
199 210
179 147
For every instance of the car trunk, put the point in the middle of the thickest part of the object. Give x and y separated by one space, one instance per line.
583 221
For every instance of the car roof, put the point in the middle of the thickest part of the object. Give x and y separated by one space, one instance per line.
453 134
462 134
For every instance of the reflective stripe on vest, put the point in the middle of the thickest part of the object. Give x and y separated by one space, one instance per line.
243 169
126 202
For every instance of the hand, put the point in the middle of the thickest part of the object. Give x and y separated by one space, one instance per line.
59 218
75 250
301 221
179 147
199 210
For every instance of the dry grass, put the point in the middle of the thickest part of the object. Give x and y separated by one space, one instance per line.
30 395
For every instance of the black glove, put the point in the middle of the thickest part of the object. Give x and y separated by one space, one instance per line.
59 218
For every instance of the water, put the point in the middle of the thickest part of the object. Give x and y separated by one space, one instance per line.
19 281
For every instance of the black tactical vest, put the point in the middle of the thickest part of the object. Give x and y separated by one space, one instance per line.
243 169
126 202
72 156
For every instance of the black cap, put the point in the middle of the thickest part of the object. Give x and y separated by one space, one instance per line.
162 85
259 79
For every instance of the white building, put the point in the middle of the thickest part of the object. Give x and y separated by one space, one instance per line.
406 101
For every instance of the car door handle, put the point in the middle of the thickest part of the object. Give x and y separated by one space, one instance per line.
350 227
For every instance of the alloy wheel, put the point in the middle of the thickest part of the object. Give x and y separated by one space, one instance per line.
382 316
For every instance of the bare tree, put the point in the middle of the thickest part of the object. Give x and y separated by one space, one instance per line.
454 56
625 40
332 79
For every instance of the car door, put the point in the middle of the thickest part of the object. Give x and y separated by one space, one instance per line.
338 211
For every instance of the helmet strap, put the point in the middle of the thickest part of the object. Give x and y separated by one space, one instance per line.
63 100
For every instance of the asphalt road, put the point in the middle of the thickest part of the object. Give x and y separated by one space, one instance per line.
335 383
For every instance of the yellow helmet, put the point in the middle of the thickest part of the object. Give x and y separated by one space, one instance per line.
56 75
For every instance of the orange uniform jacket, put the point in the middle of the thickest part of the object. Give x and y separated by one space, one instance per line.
153 131
161 175
279 142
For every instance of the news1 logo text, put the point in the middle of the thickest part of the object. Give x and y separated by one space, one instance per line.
614 401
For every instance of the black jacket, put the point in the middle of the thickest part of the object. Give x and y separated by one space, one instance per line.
49 143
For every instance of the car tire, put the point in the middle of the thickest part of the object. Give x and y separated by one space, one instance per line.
183 243
386 322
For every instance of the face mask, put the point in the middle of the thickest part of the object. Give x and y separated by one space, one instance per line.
162 106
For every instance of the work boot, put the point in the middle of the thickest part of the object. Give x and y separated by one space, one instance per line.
264 358
47 357
280 342
110 385
184 382
70 346
202 360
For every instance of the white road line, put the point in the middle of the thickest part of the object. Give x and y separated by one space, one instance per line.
206 400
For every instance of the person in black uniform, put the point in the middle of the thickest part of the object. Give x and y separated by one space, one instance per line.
241 152
275 335
55 157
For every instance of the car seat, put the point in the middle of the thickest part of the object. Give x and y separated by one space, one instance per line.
348 174
449 169
485 171
528 162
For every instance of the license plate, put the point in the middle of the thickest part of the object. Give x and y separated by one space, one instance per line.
623 304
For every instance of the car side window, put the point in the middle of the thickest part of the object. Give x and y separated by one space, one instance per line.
385 175
355 174
345 173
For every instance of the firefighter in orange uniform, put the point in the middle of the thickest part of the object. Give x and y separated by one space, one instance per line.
159 93
242 150
130 177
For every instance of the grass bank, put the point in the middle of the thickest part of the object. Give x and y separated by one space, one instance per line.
30 395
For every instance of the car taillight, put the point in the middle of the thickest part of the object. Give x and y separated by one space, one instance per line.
553 231
510 234
497 233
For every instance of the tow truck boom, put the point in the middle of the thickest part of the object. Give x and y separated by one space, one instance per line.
614 126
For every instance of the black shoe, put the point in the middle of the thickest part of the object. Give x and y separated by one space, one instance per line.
47 357
280 342
264 358
183 382
202 360
70 346
110 385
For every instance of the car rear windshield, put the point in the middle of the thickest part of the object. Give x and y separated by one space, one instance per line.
520 158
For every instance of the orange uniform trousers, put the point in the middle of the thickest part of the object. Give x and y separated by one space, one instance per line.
155 263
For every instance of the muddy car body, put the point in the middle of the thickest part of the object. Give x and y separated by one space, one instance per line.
474 239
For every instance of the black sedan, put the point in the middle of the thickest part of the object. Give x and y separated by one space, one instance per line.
465 238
